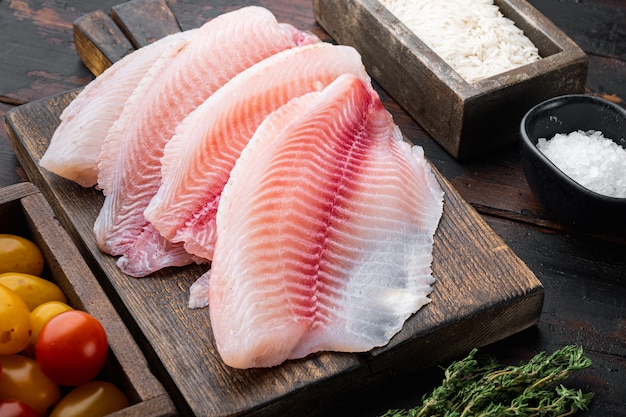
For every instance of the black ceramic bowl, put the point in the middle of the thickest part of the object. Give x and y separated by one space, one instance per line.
565 199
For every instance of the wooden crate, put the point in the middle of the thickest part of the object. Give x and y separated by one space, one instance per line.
466 119
25 212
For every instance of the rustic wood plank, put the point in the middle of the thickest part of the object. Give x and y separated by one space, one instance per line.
10 170
603 80
12 194
99 41
192 13
39 58
600 34
144 21
584 305
603 31
484 293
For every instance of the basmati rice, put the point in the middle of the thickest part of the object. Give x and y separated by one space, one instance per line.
595 162
472 36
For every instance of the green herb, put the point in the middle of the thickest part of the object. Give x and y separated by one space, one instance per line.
485 389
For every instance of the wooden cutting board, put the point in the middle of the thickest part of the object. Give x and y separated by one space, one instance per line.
484 292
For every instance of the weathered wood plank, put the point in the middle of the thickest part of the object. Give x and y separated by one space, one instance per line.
38 55
102 39
600 33
602 30
144 21
99 41
10 170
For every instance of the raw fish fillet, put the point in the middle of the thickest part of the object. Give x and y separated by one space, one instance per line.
198 159
74 148
130 167
199 292
325 232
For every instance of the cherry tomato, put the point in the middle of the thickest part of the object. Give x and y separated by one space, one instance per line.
72 348
32 290
15 327
16 408
42 314
92 399
23 380
18 254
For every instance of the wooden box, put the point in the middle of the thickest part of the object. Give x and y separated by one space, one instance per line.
25 212
465 119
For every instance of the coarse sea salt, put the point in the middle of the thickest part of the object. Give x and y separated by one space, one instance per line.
472 36
595 162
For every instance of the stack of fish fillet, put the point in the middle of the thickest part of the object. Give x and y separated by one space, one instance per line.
254 147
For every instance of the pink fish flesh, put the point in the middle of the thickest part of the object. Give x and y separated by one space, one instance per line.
325 232
74 149
197 161
130 163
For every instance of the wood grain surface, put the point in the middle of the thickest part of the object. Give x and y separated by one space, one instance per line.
484 293
583 275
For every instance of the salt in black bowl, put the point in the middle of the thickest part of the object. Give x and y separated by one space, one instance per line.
565 199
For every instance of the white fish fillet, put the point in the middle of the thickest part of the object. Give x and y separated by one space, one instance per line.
199 292
75 145
198 159
130 167
325 232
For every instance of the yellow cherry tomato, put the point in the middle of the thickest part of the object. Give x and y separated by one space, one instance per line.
42 314
91 399
32 289
18 254
23 380
15 326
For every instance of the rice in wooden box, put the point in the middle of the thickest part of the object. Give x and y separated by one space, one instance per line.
467 118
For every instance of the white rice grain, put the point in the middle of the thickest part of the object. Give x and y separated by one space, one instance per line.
472 36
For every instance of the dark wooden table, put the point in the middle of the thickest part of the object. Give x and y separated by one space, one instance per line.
583 275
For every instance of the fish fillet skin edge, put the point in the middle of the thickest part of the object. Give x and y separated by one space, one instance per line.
74 149
197 161
325 233
130 163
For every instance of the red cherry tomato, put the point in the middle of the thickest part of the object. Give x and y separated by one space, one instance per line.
71 348
16 408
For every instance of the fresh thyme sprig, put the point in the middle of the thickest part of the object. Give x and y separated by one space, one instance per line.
473 389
